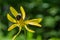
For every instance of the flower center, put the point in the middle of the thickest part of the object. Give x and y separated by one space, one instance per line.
18 17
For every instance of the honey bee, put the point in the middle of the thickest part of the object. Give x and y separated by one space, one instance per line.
18 17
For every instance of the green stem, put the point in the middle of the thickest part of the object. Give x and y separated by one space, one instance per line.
25 34
16 34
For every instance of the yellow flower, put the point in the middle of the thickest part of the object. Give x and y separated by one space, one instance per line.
20 22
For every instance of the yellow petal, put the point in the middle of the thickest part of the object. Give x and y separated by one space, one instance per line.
13 11
38 20
10 18
22 12
33 23
12 27
29 29
17 33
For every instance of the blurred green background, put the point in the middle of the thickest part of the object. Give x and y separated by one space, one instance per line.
49 10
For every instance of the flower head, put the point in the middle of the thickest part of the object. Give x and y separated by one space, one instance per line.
20 22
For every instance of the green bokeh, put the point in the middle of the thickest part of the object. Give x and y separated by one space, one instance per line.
48 10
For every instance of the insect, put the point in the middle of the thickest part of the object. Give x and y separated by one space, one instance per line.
18 17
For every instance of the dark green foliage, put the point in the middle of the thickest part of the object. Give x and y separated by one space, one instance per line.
49 10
